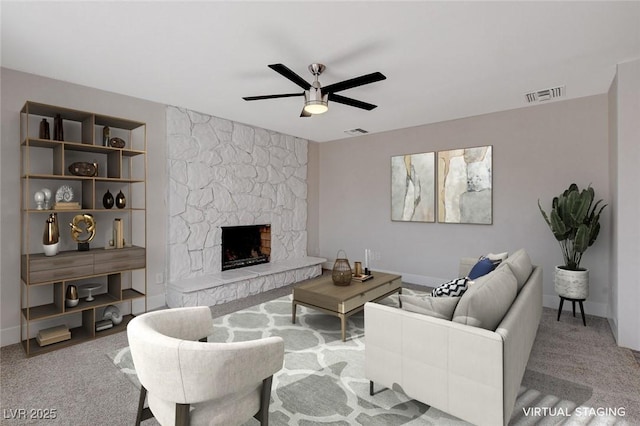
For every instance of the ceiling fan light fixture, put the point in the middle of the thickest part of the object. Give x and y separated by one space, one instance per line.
316 107
315 102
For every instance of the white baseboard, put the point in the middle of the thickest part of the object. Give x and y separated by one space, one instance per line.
11 335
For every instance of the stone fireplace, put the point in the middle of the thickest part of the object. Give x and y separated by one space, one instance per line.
245 246
223 174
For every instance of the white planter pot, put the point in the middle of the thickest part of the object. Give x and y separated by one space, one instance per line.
572 284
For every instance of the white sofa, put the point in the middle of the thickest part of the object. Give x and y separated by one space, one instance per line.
469 372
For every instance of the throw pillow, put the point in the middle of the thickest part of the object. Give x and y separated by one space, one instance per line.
483 267
487 302
437 307
520 264
497 257
455 287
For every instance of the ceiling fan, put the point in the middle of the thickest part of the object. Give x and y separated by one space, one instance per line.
316 97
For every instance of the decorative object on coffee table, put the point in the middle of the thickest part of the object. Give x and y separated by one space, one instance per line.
341 273
465 188
574 221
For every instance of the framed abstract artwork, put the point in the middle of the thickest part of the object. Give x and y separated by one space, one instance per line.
465 185
413 187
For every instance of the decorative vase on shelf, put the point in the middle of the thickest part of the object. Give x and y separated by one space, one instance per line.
107 200
121 201
106 132
51 236
44 129
71 296
341 274
58 131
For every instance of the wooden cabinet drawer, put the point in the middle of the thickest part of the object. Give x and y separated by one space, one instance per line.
63 260
60 274
119 259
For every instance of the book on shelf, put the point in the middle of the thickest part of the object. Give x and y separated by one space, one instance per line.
67 205
51 335
362 277
104 324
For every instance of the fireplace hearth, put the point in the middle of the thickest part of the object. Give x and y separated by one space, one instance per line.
245 246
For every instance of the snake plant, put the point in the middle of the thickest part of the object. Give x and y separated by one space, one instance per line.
574 221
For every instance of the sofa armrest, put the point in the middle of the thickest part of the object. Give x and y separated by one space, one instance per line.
518 330
453 367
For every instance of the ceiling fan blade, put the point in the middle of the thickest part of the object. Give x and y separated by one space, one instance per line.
304 113
354 82
287 73
351 102
283 95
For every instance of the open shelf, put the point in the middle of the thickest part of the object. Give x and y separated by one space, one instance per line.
121 272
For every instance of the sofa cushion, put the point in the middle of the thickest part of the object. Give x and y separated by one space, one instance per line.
438 307
486 303
520 264
455 287
481 268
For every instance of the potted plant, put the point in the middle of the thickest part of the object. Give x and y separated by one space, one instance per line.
574 221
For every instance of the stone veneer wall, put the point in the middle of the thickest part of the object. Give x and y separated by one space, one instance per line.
223 173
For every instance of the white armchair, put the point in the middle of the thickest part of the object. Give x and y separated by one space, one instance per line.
188 381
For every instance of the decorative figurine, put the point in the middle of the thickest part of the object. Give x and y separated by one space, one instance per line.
38 197
47 198
76 230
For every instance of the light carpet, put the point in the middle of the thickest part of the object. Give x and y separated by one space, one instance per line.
323 383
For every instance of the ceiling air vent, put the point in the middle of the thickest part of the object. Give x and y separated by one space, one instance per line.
356 132
545 94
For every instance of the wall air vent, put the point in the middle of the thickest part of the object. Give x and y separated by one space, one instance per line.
545 94
356 132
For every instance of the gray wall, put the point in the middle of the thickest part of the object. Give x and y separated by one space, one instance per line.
537 152
18 87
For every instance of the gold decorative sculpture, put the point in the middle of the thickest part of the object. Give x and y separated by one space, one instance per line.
77 230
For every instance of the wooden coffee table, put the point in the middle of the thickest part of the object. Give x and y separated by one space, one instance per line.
321 294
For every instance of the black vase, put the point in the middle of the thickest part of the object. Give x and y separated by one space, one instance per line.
58 131
107 200
44 129
121 201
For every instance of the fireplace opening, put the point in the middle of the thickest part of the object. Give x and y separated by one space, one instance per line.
245 245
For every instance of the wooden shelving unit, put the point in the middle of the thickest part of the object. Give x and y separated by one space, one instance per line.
121 273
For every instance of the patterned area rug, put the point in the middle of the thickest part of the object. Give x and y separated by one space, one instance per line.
323 383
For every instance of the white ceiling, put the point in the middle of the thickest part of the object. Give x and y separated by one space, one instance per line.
443 60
